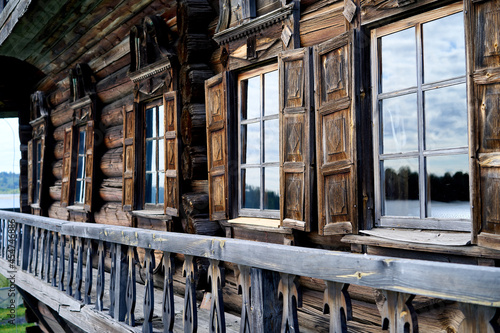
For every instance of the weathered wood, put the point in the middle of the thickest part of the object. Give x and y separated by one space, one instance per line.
48 251
112 162
71 266
201 225
62 265
112 114
62 114
189 271
195 203
42 254
148 303
55 242
478 319
242 274
112 213
291 295
111 190
194 163
113 137
192 77
266 305
216 282
120 283
337 303
87 297
57 169
199 185
59 150
114 87
100 277
397 312
131 294
112 280
193 125
55 192
168 310
58 133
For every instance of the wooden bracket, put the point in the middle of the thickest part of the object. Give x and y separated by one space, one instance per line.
289 291
100 277
397 312
337 303
148 305
61 263
79 269
189 271
242 274
216 282
479 319
131 293
168 313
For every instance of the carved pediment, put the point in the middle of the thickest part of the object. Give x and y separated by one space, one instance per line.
38 106
83 93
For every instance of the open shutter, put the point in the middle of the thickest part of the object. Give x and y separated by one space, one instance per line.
66 170
297 147
216 105
42 158
89 165
336 135
30 172
128 159
171 107
482 19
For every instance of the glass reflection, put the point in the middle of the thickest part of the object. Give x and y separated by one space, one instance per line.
446 117
444 48
79 190
251 93
448 179
251 188
401 197
161 154
250 143
271 93
81 167
150 123
150 188
161 187
399 124
271 140
150 155
161 121
81 143
399 60
272 188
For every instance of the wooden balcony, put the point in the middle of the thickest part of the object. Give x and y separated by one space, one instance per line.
64 265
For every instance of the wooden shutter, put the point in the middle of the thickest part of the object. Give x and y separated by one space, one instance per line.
171 112
297 147
482 21
216 105
41 199
30 172
66 170
335 135
89 165
128 159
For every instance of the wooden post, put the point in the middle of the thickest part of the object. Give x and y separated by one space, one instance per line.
290 293
87 297
25 247
55 239
61 263
397 313
130 299
100 277
266 305
37 238
242 274
216 282
42 255
18 243
190 319
47 251
168 314
112 279
121 285
148 305
337 303
79 270
30 251
478 319
71 268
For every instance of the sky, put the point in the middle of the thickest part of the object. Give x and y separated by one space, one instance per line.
9 145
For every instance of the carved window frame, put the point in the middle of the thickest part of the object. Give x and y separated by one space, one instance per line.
423 221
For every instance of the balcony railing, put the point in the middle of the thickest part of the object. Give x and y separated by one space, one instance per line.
59 253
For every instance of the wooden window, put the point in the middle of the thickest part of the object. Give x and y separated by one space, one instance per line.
154 154
38 169
258 135
80 167
420 117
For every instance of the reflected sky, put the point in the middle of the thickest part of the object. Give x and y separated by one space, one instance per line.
399 124
271 93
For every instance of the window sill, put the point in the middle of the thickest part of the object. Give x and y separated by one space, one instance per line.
35 206
76 208
259 224
151 214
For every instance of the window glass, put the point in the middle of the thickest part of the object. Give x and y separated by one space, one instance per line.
154 154
80 167
399 124
271 103
401 187
272 188
271 140
251 188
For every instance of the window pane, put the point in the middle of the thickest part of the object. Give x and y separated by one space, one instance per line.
401 197
79 191
444 48
271 93
250 185
399 60
81 145
250 143
38 152
399 124
150 155
161 121
150 196
272 186
446 117
271 140
161 186
161 154
150 123
448 177
251 98
81 167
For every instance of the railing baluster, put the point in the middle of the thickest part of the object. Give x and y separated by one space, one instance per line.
243 278
100 277
79 270
168 314
2 237
18 243
121 282
292 299
30 251
25 247
61 262
190 319
87 298
130 300
42 254
148 305
71 268
55 241
48 252
397 312
216 282
112 279
478 318
35 254
337 303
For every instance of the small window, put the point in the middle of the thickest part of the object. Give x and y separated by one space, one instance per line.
421 131
154 154
80 167
38 169
259 135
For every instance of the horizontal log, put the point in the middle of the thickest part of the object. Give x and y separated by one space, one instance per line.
113 137
192 79
194 163
199 185
193 125
112 162
61 95
115 86
61 115
59 150
194 48
194 15
456 282
111 189
57 212
195 203
55 193
201 225
57 169
112 114
59 131
112 213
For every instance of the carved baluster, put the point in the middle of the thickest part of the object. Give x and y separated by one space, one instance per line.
100 277
47 253
71 268
18 243
42 254
148 305
61 262
112 279
478 319
289 290
25 247
121 282
168 313
216 282
130 299
337 303
87 298
35 254
397 312
189 271
243 279
2 238
79 270
55 240
30 250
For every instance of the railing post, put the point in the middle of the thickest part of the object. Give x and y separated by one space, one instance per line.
266 305
37 230
100 277
168 314
130 300
216 282
79 269
71 268
242 274
112 279
337 303
47 251
2 237
289 290
397 312
42 254
18 243
190 319
121 282
25 246
148 304
55 240
30 251
61 262
478 319
87 298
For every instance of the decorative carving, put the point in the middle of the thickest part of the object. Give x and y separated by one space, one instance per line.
61 262
168 314
295 83
478 319
294 134
293 196
337 197
490 108
216 282
333 70
289 291
491 23
217 147
215 102
337 303
148 304
38 106
218 191
112 280
171 154
190 319
397 312
82 82
79 270
335 135
87 298
242 274
131 293
100 277
492 192
224 16
171 192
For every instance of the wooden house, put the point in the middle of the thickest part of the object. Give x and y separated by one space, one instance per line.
360 126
